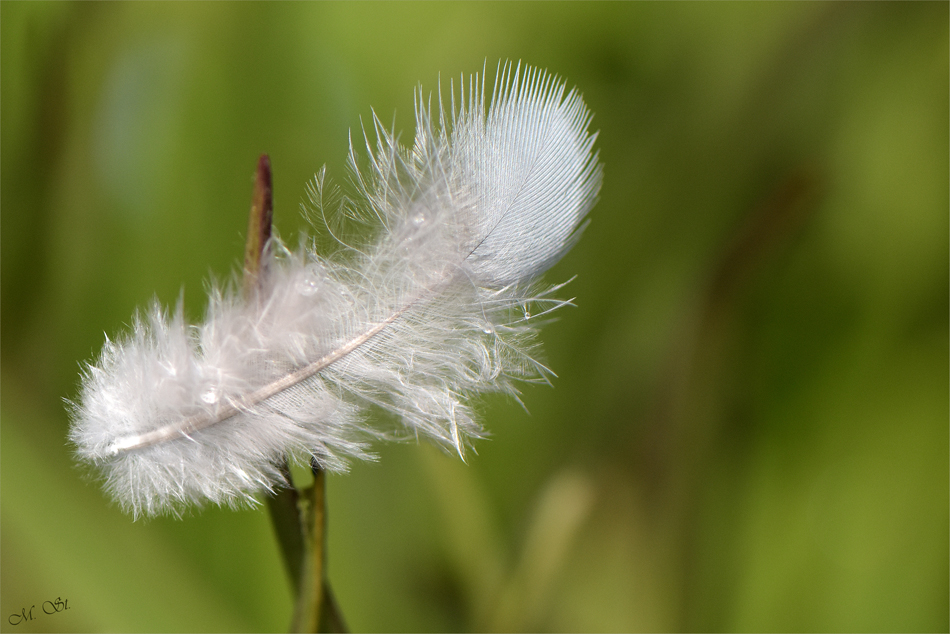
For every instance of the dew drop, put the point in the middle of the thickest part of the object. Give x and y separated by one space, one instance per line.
308 287
210 396
418 219
311 282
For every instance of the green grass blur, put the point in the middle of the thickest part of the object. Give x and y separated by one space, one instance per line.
749 428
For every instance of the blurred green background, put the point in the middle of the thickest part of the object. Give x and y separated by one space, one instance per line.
749 428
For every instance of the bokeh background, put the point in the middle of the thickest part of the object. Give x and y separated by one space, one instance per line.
749 428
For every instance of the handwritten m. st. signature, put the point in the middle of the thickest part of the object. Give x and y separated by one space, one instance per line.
48 607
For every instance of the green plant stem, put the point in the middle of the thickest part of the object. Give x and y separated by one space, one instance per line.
299 516
285 515
310 606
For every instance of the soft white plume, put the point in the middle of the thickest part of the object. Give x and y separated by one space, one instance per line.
434 310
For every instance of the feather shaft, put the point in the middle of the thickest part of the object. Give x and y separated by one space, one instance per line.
195 423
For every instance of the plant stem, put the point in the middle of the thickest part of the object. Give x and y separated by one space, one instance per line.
299 517
285 515
258 225
308 608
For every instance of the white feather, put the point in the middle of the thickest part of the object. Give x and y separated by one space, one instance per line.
432 312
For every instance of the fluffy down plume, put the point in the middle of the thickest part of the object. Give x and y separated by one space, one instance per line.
433 311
